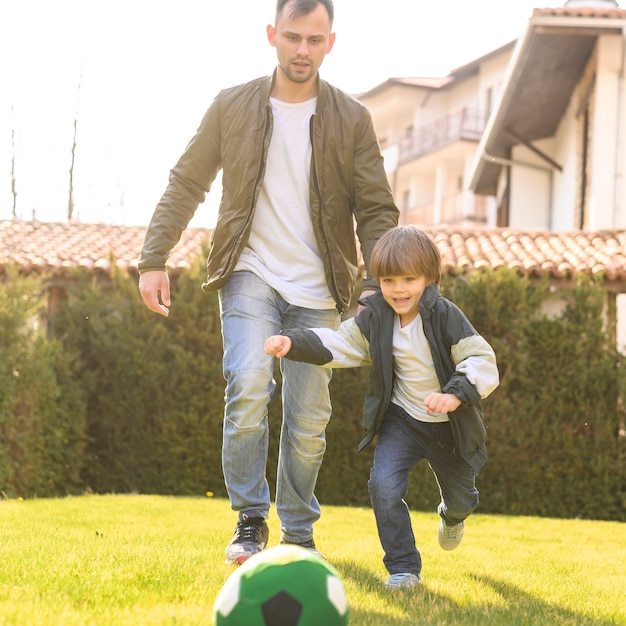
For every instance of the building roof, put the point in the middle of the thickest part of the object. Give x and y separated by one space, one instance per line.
435 83
558 255
59 247
547 63
411 82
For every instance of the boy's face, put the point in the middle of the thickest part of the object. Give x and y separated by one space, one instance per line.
403 295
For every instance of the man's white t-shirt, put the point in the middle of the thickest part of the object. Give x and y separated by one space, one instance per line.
282 249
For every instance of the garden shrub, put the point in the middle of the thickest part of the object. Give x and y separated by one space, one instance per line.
154 386
557 452
552 425
123 400
42 409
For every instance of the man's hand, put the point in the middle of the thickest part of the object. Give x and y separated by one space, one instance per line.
278 346
150 285
441 403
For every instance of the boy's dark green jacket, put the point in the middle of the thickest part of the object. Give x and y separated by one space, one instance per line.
367 339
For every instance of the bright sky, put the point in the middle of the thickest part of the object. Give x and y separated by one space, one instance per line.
150 69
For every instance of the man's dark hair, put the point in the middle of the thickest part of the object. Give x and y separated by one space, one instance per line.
304 7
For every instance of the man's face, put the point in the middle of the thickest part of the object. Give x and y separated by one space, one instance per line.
301 43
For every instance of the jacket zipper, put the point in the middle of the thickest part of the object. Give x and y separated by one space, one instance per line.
333 285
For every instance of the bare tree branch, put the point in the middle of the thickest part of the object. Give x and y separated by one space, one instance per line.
13 186
70 201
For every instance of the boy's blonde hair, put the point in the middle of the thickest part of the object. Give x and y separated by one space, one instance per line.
406 251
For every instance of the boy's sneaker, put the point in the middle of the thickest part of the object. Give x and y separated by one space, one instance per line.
450 535
250 536
403 581
309 545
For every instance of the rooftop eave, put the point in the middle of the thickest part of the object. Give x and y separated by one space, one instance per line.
544 69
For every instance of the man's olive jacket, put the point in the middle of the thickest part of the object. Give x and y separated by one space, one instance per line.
347 182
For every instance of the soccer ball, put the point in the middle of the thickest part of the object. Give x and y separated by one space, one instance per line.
282 586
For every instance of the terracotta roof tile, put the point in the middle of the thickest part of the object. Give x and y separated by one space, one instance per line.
57 247
533 253
582 11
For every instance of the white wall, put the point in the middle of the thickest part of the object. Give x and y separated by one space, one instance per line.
491 76
605 140
530 190
392 110
566 155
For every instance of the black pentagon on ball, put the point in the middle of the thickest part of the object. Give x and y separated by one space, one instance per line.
281 610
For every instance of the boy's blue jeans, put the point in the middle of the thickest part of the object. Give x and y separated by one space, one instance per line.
250 312
402 443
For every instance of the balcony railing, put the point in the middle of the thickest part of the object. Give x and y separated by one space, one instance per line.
466 124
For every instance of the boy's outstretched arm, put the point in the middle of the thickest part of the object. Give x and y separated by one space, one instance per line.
326 347
277 345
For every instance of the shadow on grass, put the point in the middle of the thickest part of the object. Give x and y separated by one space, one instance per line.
425 607
526 609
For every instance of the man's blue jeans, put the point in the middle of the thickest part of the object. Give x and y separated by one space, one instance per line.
402 443
251 311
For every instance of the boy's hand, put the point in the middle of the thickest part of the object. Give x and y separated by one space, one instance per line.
441 403
277 345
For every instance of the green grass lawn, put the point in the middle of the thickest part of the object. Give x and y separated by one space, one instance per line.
148 560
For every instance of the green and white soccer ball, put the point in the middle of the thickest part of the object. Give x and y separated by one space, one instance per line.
282 586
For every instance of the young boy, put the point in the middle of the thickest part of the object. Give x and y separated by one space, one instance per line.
429 371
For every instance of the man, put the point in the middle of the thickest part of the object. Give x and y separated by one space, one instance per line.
300 162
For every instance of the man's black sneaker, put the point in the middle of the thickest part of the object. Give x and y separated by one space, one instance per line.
309 545
250 536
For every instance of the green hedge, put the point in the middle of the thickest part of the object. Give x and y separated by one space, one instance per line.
554 424
124 400
42 407
154 387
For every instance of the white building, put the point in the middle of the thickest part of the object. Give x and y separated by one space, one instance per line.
531 136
